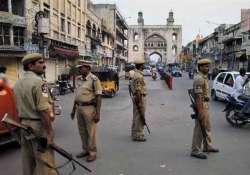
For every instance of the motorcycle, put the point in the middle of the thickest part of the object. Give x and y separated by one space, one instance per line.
64 84
54 92
154 75
233 110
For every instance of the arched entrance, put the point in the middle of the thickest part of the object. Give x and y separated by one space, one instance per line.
155 57
156 46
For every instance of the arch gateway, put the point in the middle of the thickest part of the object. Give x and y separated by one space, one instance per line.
147 40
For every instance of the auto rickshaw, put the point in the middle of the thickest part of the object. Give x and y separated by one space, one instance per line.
8 134
109 80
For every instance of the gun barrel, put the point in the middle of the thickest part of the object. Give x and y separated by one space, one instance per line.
7 119
68 156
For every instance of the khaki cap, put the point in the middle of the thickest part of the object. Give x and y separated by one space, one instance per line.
141 61
29 58
85 63
204 61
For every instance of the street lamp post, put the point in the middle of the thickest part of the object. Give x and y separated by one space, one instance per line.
42 24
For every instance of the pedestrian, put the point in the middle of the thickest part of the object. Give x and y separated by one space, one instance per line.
138 95
239 81
87 104
202 129
34 109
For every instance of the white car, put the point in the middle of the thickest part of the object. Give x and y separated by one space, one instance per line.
224 85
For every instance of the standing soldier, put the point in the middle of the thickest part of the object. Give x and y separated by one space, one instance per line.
88 104
138 95
202 130
34 109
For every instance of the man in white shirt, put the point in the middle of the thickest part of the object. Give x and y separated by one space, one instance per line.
240 79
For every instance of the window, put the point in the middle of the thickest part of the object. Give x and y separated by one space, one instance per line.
69 28
136 36
18 36
135 48
4 34
94 31
18 7
88 28
229 80
103 37
174 37
62 25
221 77
174 50
79 32
4 5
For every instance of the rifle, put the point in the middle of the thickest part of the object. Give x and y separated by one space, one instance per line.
43 142
138 108
195 115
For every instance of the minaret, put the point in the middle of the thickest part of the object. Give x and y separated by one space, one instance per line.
140 19
170 20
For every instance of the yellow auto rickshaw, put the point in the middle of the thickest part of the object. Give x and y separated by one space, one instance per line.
109 80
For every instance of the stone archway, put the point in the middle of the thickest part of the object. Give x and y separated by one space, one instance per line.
155 47
155 57
165 39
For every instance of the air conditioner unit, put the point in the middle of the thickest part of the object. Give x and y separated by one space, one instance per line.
43 26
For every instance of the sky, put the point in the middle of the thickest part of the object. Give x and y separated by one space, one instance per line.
193 15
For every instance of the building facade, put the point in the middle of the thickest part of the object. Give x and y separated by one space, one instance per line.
65 36
163 40
12 36
117 32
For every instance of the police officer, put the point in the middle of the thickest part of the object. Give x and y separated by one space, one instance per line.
88 105
202 130
138 88
34 109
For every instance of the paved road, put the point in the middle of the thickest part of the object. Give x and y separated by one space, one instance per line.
168 147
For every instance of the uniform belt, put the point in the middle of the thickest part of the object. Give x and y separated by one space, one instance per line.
31 119
91 103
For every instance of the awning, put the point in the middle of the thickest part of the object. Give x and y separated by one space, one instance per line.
65 52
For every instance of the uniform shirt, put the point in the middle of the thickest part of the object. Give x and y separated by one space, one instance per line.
89 88
201 86
138 84
32 96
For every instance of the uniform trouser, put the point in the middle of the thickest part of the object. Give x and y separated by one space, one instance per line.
137 124
87 128
33 160
198 137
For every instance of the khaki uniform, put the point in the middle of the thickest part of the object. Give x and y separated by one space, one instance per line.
32 96
87 92
138 86
201 86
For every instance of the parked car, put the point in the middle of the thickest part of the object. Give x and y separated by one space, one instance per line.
147 71
223 85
